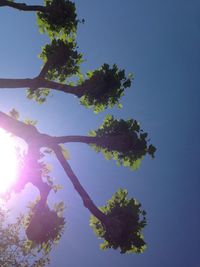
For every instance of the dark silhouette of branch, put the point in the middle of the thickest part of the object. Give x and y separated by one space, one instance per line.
40 83
45 69
83 139
30 134
18 128
36 140
23 6
117 142
88 203
41 77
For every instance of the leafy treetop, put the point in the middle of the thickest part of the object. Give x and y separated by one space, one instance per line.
59 20
128 143
125 222
16 248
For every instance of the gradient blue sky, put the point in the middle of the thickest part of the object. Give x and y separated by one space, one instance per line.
159 42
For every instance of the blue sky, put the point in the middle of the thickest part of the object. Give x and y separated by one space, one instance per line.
159 42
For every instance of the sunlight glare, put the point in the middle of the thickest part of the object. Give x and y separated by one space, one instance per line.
8 161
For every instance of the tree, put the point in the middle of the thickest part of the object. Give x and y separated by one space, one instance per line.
121 221
17 248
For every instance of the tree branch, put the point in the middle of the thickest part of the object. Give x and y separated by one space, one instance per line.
18 128
88 203
33 137
119 142
45 69
23 6
40 83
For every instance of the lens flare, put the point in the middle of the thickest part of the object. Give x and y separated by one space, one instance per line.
8 161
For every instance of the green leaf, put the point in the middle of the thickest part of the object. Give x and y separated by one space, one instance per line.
65 152
14 114
30 122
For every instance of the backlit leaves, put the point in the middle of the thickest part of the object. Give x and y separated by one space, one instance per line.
15 248
45 226
14 114
30 122
104 87
123 141
123 228
65 152
59 20
37 94
62 58
61 61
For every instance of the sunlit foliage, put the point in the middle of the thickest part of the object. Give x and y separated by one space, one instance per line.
124 141
15 248
60 19
125 221
104 87
62 58
45 226
38 94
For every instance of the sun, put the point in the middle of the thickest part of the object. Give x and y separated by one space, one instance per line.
8 161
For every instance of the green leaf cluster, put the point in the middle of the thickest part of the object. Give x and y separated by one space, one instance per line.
125 222
44 225
15 248
37 94
63 59
30 122
123 141
65 152
60 19
104 87
14 114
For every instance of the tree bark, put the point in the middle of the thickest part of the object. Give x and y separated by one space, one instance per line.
88 203
27 132
23 6
40 83
116 142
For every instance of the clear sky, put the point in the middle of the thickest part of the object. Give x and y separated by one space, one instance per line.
159 42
